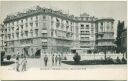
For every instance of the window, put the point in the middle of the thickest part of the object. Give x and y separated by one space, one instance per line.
101 27
44 17
44 45
101 23
67 22
44 26
85 33
17 35
91 25
31 33
12 28
71 28
51 33
12 35
26 19
52 22
82 26
67 27
12 49
21 26
57 22
36 31
87 26
31 24
21 21
9 37
62 25
26 24
86 38
36 24
107 25
36 17
12 23
44 34
31 18
26 33
31 41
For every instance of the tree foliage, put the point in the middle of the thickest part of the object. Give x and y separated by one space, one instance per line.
120 28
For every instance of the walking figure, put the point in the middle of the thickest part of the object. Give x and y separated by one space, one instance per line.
59 58
53 59
45 60
56 59
24 65
17 66
17 63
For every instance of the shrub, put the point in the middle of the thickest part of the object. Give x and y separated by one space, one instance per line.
124 61
76 58
109 60
65 58
118 60
8 57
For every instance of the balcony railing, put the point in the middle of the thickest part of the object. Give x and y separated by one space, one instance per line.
44 31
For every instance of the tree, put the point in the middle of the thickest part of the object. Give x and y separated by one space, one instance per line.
120 28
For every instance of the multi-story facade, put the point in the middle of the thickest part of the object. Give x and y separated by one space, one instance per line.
87 32
49 31
41 29
2 38
105 34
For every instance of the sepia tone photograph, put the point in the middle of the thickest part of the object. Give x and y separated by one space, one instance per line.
63 35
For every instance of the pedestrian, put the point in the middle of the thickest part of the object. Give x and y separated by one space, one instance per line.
53 60
17 57
56 59
45 60
24 64
17 63
59 58
17 66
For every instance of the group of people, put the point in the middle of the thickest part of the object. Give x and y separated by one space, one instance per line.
56 60
21 64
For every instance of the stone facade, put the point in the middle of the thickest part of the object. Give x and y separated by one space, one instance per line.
105 34
50 31
2 38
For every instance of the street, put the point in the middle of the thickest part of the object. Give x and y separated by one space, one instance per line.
39 64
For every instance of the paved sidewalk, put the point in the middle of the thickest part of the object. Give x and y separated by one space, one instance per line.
38 64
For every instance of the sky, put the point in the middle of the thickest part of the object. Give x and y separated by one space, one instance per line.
114 9
100 9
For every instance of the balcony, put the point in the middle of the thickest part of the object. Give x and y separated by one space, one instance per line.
44 31
105 38
106 44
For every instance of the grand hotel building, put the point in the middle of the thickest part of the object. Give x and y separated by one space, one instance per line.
55 32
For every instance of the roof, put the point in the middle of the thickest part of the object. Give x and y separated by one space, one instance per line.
105 19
